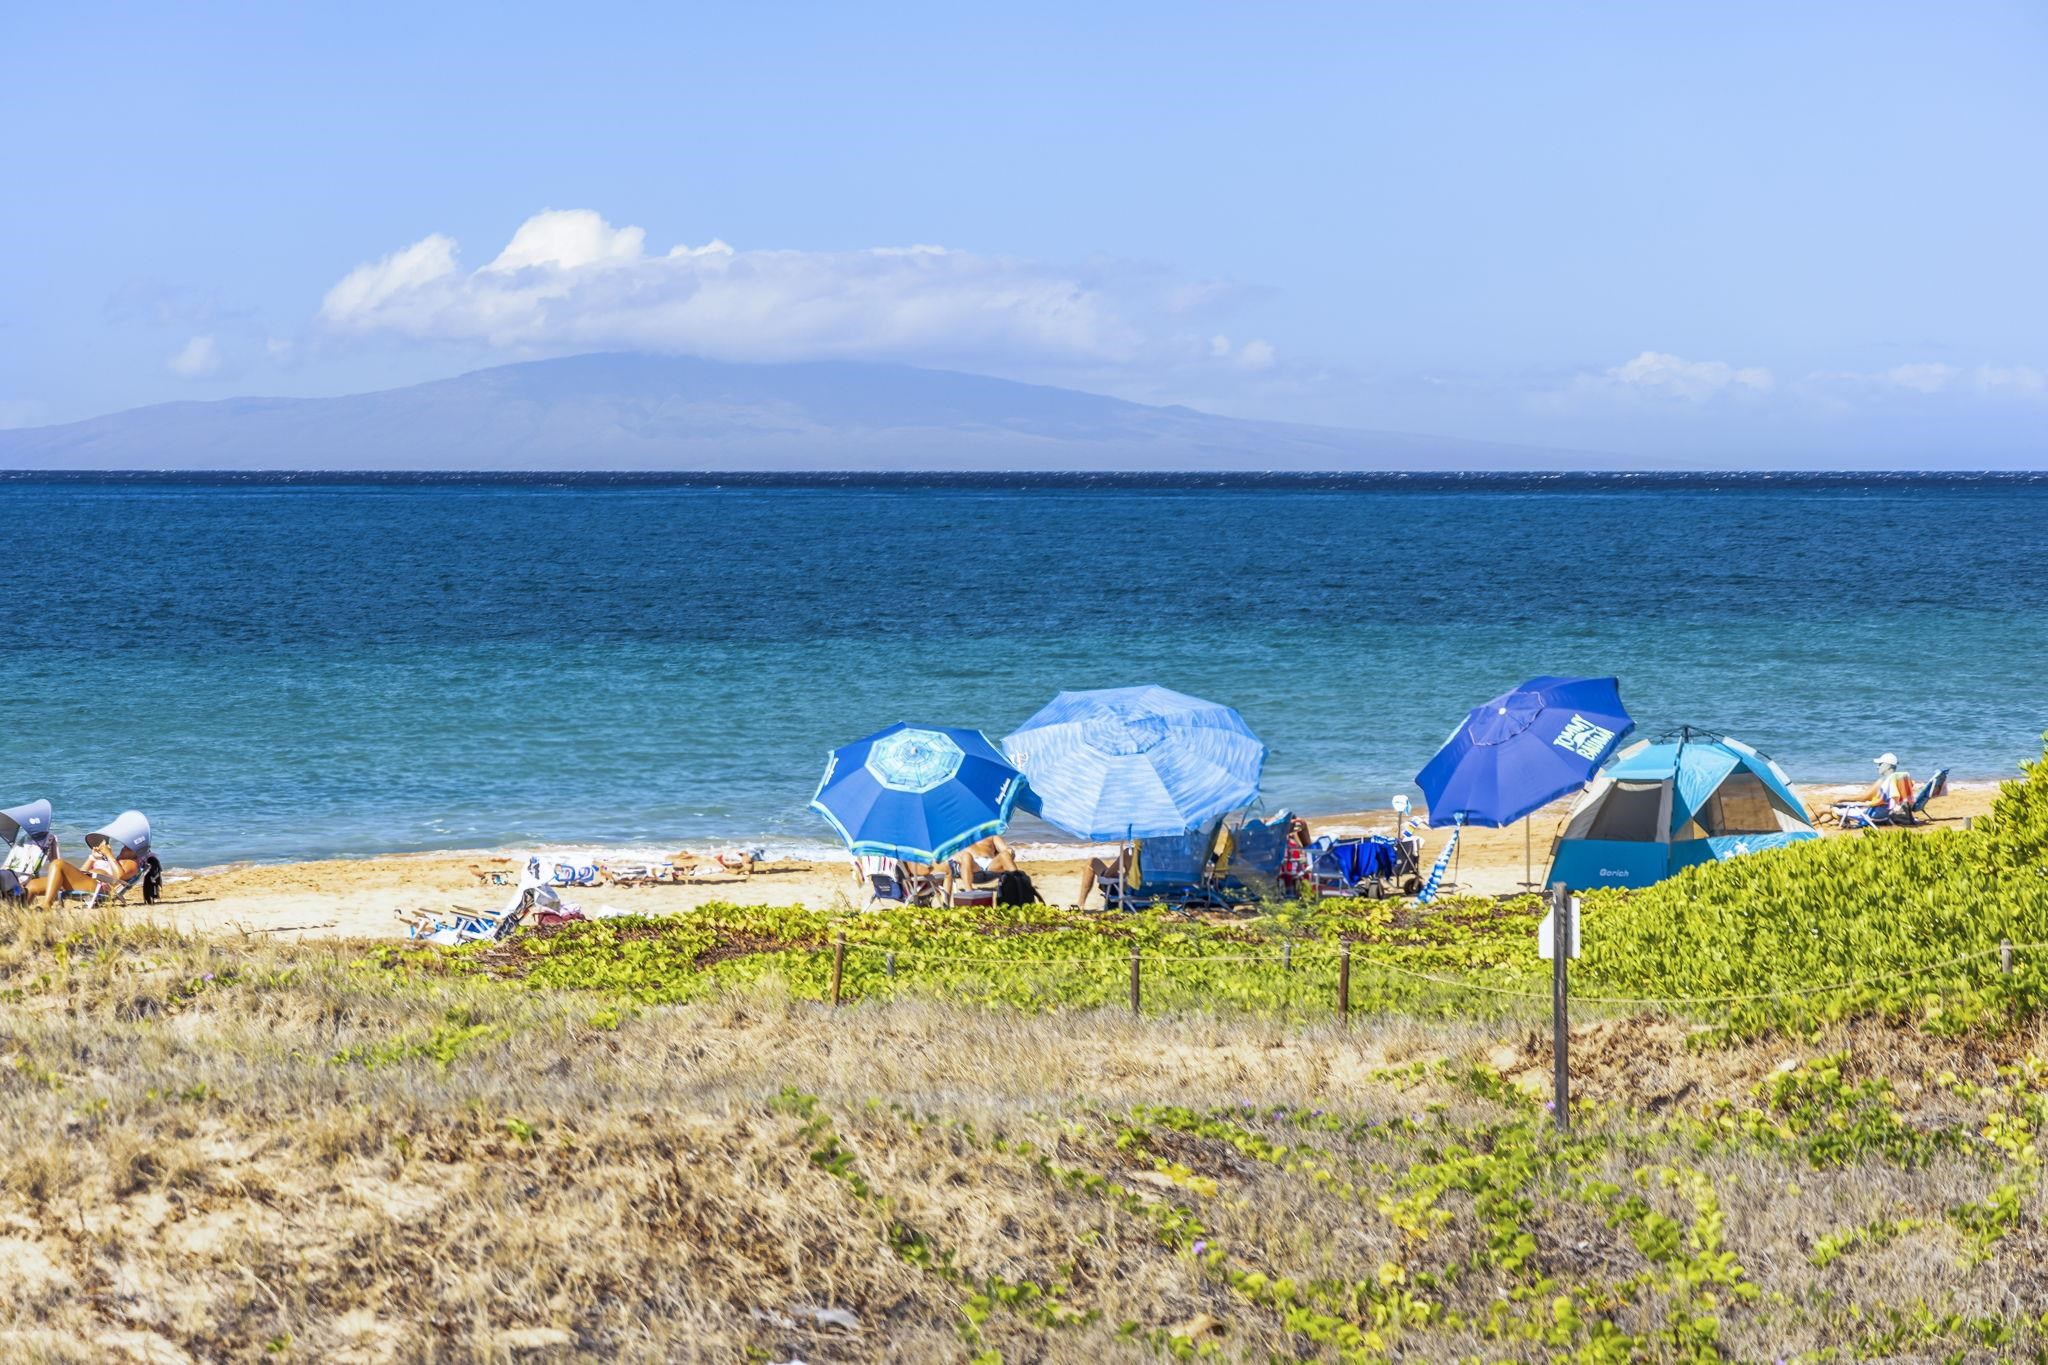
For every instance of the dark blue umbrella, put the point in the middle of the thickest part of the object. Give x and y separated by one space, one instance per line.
920 792
1523 750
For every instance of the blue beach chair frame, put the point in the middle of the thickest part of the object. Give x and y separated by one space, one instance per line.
1173 875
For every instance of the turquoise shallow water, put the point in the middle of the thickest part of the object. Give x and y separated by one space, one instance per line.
280 669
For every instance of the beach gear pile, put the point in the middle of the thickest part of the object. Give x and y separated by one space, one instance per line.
535 903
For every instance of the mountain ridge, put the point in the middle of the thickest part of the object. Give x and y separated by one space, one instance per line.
631 412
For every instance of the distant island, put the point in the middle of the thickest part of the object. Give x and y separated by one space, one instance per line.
649 413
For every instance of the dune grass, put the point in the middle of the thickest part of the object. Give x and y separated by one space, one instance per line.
323 1152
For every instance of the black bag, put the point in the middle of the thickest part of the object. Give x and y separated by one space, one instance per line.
1014 888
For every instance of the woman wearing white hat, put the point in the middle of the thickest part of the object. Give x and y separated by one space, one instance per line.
1892 786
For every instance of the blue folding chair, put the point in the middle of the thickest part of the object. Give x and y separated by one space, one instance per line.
1173 873
1258 860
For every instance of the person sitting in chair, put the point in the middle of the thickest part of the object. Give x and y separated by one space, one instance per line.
1100 870
980 864
1892 787
29 856
106 867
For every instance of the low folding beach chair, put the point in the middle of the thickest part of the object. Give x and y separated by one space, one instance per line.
881 879
473 926
128 834
1258 867
1173 874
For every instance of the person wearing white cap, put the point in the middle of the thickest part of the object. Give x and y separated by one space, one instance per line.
1891 786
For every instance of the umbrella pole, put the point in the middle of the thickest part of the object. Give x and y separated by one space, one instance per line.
1528 854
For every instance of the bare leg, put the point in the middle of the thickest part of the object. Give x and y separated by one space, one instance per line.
1096 871
62 878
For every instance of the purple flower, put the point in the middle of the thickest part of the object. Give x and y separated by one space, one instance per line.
1201 1246
1550 1106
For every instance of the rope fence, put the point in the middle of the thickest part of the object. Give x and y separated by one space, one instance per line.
1342 958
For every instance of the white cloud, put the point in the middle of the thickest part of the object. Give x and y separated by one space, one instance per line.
1688 381
568 279
198 358
1660 379
1256 355
1923 379
2020 381
1928 377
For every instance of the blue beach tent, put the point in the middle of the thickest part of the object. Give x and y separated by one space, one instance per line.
1661 806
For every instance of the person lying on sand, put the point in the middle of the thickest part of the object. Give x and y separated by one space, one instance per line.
729 861
103 871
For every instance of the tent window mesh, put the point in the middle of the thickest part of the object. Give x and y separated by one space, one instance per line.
1741 805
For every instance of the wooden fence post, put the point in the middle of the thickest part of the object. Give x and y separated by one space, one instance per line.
1287 957
838 965
1344 983
1136 1007
889 964
2005 957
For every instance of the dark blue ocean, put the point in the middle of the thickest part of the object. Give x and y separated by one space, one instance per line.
285 668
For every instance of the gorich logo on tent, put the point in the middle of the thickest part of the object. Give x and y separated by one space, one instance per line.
1583 737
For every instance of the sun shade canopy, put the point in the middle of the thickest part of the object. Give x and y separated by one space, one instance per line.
919 792
32 817
1135 762
1523 750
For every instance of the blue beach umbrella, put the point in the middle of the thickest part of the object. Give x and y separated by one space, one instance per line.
1135 762
1518 753
919 792
1523 750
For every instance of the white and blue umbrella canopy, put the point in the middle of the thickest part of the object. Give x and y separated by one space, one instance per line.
1135 762
1523 750
128 832
32 817
920 792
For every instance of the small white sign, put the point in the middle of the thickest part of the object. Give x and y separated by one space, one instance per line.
1546 933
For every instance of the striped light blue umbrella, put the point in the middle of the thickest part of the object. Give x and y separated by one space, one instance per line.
1135 762
920 792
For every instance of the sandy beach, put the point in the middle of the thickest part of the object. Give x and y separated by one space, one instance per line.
363 898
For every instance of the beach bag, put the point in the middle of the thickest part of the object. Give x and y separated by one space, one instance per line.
152 879
1014 888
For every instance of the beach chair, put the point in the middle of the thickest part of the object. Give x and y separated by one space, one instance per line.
1174 873
534 895
1257 868
881 879
1905 812
1936 785
126 835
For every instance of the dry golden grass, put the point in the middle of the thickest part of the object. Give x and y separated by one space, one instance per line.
309 1157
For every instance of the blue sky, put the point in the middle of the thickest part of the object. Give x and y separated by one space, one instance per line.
1723 232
